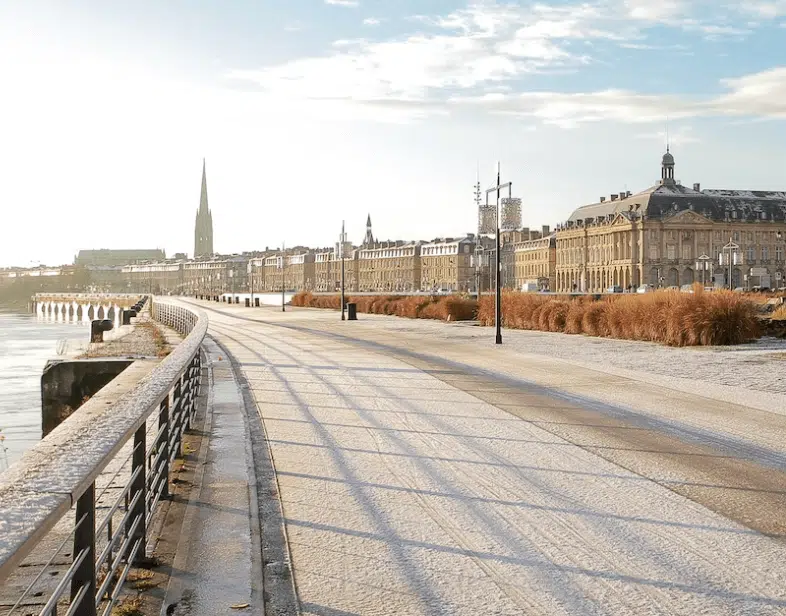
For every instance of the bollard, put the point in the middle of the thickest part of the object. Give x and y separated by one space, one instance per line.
127 316
97 329
352 311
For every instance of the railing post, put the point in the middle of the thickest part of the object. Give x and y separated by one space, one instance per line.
163 424
139 487
85 540
181 389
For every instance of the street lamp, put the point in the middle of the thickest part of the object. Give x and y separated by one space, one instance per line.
477 263
732 258
342 239
498 303
703 264
283 285
251 280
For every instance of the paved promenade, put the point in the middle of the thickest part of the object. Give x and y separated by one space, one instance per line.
422 470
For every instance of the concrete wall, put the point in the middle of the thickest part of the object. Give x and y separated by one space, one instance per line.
66 384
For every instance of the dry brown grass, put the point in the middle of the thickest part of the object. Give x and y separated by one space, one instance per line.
667 317
672 318
445 308
128 607
780 313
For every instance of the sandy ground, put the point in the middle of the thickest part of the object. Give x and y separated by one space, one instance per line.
423 470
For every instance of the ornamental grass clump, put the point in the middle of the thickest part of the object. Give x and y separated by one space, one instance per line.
667 317
445 308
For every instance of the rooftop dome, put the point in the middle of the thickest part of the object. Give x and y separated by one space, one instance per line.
668 159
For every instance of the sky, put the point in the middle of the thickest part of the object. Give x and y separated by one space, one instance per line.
310 112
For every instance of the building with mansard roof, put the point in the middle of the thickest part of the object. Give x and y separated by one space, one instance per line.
672 235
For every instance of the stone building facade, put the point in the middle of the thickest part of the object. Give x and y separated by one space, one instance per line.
298 272
216 276
389 266
670 235
327 271
158 278
535 262
447 265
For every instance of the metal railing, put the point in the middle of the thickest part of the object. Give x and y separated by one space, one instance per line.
114 461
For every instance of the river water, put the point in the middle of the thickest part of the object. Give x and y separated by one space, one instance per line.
26 343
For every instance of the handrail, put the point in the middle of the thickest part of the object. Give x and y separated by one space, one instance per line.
60 471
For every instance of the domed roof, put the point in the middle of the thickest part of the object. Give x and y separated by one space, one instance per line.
668 159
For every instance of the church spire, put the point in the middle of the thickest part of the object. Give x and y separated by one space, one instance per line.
203 195
369 239
203 229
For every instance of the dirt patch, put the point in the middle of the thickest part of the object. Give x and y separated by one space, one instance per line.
147 339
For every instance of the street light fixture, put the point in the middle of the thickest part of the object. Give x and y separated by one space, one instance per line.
732 259
342 240
703 264
498 303
283 286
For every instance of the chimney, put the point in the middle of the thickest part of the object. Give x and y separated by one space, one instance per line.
697 187
623 194
614 196
603 199
544 230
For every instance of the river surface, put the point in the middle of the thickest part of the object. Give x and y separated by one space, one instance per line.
26 343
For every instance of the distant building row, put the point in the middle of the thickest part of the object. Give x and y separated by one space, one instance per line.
667 235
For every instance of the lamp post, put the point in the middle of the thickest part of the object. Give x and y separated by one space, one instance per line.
251 280
731 259
283 285
477 262
498 304
703 265
341 242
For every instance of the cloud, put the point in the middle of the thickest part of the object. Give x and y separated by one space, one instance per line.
681 136
348 3
758 94
371 21
766 10
476 58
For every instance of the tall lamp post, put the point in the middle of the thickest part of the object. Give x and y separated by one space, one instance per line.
283 284
477 261
498 304
342 240
703 264
251 280
731 259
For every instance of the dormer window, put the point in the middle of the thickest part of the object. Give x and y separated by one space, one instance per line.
734 214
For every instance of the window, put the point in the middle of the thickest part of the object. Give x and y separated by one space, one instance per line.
751 254
671 251
736 236
653 253
686 251
765 253
779 253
